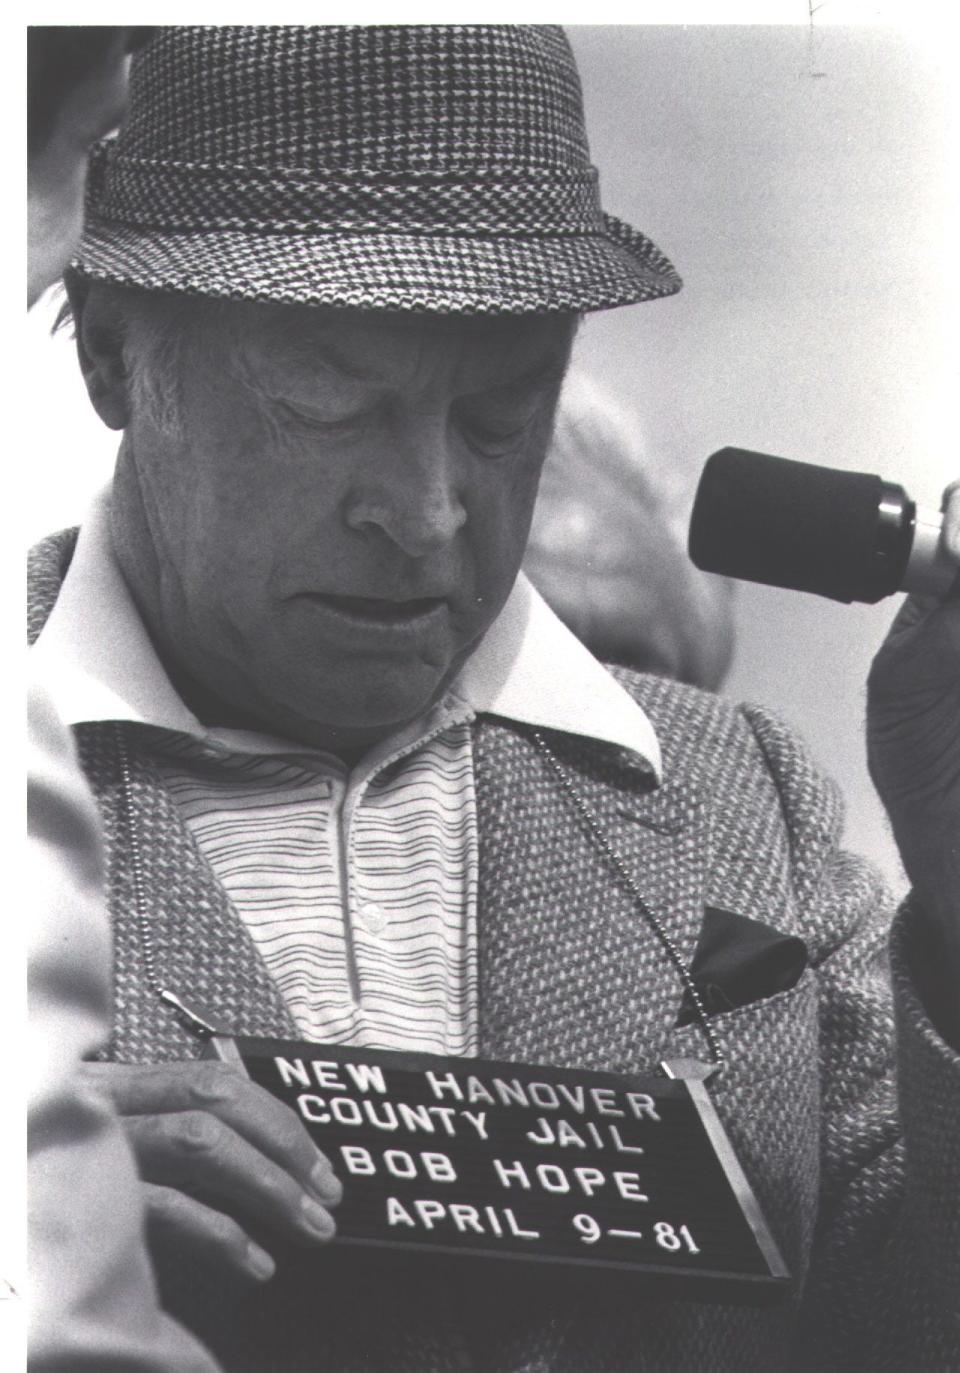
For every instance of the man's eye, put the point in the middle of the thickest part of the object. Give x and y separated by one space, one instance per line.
497 439
328 421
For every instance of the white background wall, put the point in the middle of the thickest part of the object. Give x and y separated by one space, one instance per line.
799 186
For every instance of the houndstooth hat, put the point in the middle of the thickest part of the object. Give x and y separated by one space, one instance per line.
406 167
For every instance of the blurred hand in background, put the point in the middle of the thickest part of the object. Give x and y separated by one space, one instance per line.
608 549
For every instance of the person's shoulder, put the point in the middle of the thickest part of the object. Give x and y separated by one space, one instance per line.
669 701
740 753
692 724
47 563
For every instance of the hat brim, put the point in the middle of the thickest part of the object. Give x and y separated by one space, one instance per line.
446 274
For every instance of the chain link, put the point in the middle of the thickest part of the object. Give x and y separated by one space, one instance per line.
192 1018
139 886
666 939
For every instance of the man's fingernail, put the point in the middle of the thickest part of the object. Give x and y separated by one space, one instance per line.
316 1218
259 1262
325 1183
216 1085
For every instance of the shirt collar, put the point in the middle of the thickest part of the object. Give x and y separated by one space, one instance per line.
97 661
532 669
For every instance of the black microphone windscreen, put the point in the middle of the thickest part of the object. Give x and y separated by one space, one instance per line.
789 524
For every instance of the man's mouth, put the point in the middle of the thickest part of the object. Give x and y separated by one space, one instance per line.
378 610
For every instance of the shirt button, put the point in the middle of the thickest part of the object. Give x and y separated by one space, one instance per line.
373 917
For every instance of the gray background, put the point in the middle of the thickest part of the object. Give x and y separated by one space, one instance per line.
799 186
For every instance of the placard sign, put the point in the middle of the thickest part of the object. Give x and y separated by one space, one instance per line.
513 1161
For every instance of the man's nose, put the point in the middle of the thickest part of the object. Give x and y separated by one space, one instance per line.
410 491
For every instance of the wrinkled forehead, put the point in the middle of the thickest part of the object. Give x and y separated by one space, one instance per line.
393 349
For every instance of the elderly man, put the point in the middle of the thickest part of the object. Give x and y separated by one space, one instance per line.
360 786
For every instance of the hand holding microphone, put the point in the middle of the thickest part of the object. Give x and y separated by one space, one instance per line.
913 748
855 537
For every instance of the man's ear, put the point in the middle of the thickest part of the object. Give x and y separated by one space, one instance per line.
99 325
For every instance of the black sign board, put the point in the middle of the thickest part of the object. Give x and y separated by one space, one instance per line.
517 1161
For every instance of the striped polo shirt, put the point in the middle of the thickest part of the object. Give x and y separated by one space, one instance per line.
359 886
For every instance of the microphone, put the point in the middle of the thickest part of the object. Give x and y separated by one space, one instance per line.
846 535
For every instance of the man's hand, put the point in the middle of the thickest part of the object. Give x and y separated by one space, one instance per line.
218 1155
913 744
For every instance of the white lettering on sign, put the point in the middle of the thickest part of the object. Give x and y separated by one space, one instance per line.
445 1114
589 1179
643 1106
477 1092
671 1239
587 1228
416 1118
326 1075
478 1120
467 1217
510 1093
346 1111
313 1108
357 1160
400 1164
553 1178
296 1073
343 1109
510 1172
515 1230
361 1163
629 1187
491 1216
604 1099
428 1213
387 1115
386 1121
542 1094
397 1214
574 1095
366 1077
619 1145
292 1073
439 1168
447 1083
547 1095
564 1135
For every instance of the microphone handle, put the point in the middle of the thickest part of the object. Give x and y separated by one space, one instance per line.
929 572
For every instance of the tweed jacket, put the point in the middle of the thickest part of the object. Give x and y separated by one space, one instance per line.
860 1189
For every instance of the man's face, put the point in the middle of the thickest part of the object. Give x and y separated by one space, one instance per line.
342 508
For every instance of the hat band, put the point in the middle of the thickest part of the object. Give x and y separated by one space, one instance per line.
524 201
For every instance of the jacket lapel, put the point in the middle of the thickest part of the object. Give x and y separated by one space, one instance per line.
201 947
571 972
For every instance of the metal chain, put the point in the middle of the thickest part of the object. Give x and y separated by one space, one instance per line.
139 887
197 1021
666 939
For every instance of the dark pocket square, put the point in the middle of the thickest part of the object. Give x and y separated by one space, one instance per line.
738 961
